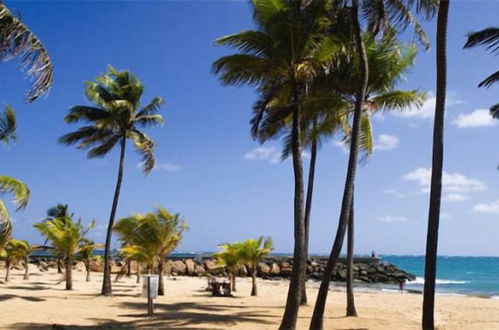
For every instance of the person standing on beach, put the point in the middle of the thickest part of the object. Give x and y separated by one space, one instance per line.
401 286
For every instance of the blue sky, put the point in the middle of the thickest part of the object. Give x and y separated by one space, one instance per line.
227 186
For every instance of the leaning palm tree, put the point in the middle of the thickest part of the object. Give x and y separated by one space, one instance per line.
14 251
279 57
436 169
251 252
380 16
66 236
10 185
150 238
230 258
17 41
115 117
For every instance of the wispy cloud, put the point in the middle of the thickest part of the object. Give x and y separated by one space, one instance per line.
164 167
270 154
454 197
476 118
386 142
427 110
393 219
492 207
445 215
452 182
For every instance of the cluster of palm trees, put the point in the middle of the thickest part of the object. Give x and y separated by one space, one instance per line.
149 238
249 252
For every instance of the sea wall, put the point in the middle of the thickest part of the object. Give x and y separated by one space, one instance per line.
366 270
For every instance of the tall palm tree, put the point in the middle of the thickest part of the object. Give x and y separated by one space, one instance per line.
436 169
380 16
14 251
251 252
10 185
230 258
66 236
17 41
59 211
150 238
115 117
279 58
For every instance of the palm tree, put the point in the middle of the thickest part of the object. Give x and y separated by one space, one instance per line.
436 169
14 251
117 116
29 250
17 41
380 16
151 237
229 257
86 253
251 252
68 237
10 185
59 211
279 58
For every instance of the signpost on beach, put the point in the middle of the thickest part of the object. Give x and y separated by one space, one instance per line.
150 291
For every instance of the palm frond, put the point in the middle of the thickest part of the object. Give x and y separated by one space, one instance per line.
152 108
144 145
494 111
17 188
18 41
488 37
8 125
492 79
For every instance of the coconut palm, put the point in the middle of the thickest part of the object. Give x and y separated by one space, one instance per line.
150 238
230 258
68 237
436 167
380 16
115 117
279 58
29 250
17 41
251 252
13 252
59 211
10 185
86 254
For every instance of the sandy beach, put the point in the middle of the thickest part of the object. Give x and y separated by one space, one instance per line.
41 302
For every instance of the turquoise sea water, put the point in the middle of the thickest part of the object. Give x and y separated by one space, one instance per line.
458 275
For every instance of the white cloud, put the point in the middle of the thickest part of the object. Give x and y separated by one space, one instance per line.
393 219
270 154
492 207
454 197
427 110
476 118
452 182
445 215
164 166
342 145
386 142
399 194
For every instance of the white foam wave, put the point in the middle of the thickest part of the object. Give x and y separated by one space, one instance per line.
420 280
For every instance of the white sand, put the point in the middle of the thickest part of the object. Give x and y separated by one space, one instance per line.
41 302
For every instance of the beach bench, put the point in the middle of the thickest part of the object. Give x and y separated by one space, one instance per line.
219 288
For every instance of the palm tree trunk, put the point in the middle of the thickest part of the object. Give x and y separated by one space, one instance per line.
294 292
26 267
233 282
59 265
87 268
106 284
138 272
69 273
129 268
7 270
254 291
308 209
351 311
161 285
317 317
437 165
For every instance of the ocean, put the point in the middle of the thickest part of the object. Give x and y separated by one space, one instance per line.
455 275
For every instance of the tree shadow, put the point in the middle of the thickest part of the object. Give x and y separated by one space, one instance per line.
28 287
5 297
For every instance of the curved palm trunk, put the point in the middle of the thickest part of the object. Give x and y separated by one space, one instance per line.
138 272
59 265
254 291
297 275
106 284
7 270
351 311
129 268
308 209
437 165
69 273
26 268
87 268
317 317
161 284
